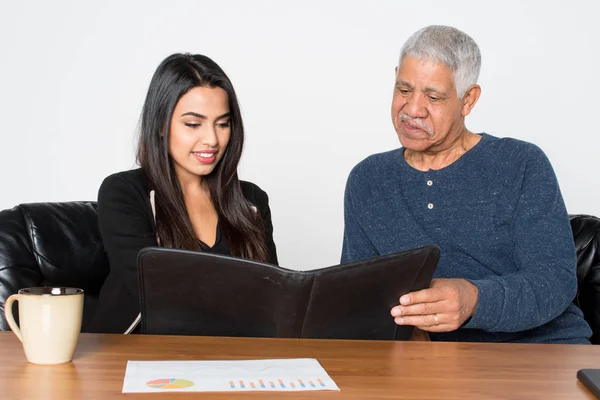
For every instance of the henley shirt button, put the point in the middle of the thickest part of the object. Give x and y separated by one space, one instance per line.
429 183
430 206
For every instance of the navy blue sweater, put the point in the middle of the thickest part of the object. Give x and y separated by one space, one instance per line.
499 218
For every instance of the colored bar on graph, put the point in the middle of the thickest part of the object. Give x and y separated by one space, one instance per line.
281 383
292 384
311 383
252 385
321 382
231 385
272 385
301 383
242 385
262 384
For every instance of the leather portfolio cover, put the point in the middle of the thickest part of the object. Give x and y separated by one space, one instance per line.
591 379
196 293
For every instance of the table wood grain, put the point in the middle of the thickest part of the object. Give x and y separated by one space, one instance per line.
361 369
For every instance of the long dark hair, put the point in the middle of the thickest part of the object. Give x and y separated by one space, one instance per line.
242 226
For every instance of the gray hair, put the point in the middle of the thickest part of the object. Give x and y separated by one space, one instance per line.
450 47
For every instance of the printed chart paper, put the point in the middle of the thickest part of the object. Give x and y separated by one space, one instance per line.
226 376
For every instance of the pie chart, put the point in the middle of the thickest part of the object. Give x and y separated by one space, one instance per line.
170 383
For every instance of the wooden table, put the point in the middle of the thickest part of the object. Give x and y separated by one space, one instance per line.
361 369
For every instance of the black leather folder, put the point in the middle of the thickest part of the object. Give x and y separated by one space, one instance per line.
591 379
196 293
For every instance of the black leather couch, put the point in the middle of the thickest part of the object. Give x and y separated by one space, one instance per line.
58 244
51 244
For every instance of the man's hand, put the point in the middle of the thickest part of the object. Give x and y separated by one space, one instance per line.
444 307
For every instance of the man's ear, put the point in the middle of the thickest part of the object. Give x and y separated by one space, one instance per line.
470 98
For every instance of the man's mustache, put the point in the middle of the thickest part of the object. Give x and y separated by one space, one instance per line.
418 122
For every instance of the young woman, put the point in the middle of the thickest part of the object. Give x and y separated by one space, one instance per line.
187 194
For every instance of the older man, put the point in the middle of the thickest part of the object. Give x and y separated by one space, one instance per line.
507 265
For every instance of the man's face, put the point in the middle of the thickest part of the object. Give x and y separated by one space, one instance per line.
426 111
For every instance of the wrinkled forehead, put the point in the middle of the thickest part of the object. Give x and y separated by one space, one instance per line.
425 74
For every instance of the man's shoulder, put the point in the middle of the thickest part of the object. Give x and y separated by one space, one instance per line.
514 148
376 164
510 160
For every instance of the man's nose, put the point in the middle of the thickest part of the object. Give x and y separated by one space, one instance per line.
416 105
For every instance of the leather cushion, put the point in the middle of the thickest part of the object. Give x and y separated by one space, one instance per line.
52 244
586 232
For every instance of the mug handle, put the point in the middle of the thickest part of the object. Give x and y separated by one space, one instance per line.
9 315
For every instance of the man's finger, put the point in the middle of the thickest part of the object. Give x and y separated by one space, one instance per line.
428 320
416 309
430 295
436 328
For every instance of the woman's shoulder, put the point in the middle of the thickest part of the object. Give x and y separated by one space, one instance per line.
254 194
120 183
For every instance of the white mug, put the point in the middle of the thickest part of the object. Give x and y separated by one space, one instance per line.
50 320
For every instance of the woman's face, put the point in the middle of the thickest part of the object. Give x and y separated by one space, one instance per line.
200 131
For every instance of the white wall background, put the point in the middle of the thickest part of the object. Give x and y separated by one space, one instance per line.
314 79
